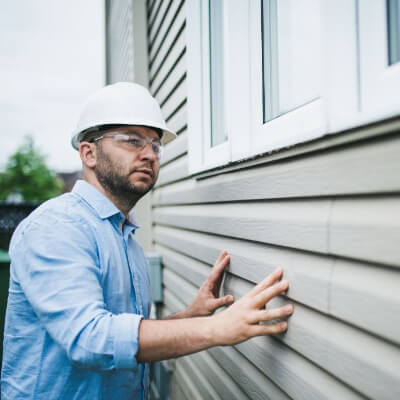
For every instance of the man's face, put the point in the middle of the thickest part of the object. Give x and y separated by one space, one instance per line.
123 171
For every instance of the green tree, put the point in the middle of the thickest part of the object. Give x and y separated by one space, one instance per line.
27 175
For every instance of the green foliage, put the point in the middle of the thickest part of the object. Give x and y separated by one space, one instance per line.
27 175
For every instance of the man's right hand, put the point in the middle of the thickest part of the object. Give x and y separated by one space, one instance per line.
243 319
160 340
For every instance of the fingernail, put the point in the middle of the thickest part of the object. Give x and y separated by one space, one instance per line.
288 308
283 284
283 325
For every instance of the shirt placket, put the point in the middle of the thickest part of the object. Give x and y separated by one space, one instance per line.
138 303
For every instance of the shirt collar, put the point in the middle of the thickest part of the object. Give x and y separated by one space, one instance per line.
100 203
104 207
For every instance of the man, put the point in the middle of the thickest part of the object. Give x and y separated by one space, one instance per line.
77 322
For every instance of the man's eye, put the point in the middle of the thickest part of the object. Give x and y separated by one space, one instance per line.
156 147
134 141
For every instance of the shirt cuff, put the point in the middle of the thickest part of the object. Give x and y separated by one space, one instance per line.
126 343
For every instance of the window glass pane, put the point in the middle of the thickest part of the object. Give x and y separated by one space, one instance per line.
218 134
291 54
393 22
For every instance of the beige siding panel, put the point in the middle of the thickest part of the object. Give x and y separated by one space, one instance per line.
182 289
158 21
367 229
186 373
361 360
193 271
178 122
159 54
171 303
175 149
176 392
153 9
308 276
177 75
222 383
174 171
253 382
298 224
196 386
368 296
306 225
326 284
371 167
150 6
175 53
175 100
301 379
292 372
168 20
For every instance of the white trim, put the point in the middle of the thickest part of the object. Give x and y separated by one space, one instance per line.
238 99
218 154
340 56
195 85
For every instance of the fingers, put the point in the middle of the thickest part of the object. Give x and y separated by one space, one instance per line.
267 282
271 314
266 295
219 267
272 329
223 301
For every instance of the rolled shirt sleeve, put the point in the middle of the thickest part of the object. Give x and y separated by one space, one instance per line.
56 263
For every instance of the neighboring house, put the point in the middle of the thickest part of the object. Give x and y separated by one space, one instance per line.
288 154
69 179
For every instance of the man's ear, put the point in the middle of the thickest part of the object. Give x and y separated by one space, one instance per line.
87 151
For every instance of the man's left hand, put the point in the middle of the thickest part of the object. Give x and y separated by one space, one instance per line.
207 299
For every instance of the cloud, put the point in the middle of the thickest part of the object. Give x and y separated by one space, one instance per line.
51 57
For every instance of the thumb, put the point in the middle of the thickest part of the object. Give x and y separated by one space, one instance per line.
224 301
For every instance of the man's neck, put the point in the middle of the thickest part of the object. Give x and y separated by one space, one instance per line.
124 205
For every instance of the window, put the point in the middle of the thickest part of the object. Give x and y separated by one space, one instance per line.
287 82
216 62
206 26
291 52
393 22
379 58
267 74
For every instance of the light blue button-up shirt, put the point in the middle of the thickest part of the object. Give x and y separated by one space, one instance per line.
79 287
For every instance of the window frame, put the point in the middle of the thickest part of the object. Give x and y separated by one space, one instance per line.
350 91
301 124
204 155
380 82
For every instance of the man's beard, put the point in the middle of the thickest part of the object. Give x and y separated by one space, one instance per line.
118 185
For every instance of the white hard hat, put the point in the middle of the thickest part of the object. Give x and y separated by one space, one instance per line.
123 103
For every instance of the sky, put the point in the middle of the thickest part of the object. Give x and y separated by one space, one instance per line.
52 56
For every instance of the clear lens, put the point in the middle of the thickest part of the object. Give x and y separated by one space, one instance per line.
139 143
135 142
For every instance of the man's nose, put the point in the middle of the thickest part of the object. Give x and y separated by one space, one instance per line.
147 152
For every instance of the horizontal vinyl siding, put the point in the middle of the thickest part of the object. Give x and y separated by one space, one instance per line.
330 218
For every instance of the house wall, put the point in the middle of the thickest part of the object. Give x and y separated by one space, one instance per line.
126 60
327 211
